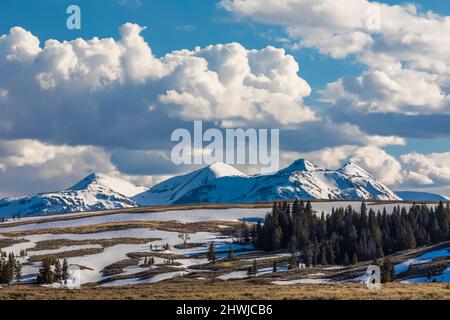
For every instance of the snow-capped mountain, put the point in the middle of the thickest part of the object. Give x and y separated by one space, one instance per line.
217 183
171 190
95 192
221 183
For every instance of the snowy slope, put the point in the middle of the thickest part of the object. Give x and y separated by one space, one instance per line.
420 196
300 180
171 190
99 183
95 192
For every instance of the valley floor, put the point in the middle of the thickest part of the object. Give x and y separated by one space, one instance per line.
236 290
112 249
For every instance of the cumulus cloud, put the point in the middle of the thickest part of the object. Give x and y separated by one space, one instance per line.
407 65
428 169
92 101
385 91
110 105
30 166
104 81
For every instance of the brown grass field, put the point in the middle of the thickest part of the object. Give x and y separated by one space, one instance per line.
232 290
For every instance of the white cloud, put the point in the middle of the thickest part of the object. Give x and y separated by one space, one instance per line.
395 89
88 97
428 169
19 46
30 166
407 61
217 83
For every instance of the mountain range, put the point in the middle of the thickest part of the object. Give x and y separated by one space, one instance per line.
216 183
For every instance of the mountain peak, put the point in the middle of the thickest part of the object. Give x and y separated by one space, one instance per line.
352 169
100 181
301 165
220 169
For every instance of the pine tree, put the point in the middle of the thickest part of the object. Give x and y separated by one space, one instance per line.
45 275
7 269
323 256
276 238
293 264
380 253
212 255
65 270
58 272
230 253
387 271
307 254
331 258
355 259
346 260
246 234
275 267
18 271
255 267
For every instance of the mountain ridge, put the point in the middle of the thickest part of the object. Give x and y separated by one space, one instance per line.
300 180
216 183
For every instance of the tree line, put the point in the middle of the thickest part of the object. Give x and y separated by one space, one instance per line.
52 271
347 236
10 268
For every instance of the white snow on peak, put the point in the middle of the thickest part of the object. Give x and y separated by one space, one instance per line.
220 169
171 190
95 192
221 183
101 182
216 183
353 170
301 165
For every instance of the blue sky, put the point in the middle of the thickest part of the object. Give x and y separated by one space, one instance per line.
172 25
180 24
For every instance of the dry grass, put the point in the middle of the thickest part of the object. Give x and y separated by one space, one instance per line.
6 242
207 226
59 243
143 210
234 290
66 254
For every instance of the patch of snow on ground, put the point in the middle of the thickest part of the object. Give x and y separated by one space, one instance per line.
443 277
424 258
242 274
136 281
300 281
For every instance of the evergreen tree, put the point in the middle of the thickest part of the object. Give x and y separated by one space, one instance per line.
212 255
275 267
65 270
387 271
293 264
230 253
355 259
45 275
255 267
57 275
348 235
323 256
18 271
346 260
